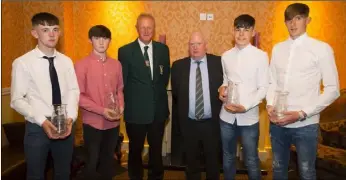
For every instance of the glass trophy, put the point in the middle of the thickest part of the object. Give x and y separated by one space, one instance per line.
59 118
111 102
232 93
280 103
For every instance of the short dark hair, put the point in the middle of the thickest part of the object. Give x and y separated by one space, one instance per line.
99 31
244 21
44 18
296 9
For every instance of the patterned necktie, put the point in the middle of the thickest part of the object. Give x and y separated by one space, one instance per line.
56 95
199 108
146 59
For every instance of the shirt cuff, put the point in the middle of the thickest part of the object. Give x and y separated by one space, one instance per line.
269 103
308 111
39 119
247 107
74 118
99 110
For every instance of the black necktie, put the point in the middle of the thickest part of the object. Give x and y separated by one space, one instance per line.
199 106
56 95
146 58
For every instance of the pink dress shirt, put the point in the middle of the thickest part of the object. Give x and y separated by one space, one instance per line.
96 78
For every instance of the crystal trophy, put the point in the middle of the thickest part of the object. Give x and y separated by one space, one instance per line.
111 102
232 93
59 118
280 103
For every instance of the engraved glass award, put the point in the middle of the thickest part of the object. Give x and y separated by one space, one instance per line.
111 102
232 93
59 118
280 103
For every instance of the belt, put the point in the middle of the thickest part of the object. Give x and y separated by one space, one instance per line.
207 119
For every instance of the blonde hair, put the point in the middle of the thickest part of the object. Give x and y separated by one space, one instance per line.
145 15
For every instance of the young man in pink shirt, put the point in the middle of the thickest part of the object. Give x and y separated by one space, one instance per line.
99 76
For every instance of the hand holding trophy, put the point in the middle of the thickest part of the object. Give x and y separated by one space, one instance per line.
59 119
232 99
232 93
280 104
112 111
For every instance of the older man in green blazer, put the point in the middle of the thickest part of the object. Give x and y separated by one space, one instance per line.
146 70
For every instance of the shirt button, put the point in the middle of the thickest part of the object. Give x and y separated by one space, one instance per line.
105 84
105 74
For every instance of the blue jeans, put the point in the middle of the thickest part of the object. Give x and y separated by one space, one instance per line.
36 148
249 137
305 140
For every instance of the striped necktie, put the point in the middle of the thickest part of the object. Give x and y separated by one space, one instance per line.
199 108
146 58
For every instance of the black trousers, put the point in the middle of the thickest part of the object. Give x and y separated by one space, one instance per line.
100 146
137 134
205 134
36 148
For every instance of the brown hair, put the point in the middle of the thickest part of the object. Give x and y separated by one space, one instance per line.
296 9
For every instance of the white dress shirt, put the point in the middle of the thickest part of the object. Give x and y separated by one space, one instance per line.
31 89
298 66
249 68
150 53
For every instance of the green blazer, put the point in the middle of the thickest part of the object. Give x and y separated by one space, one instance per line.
145 99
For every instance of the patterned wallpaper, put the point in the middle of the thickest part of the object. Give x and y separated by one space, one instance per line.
179 19
16 31
176 19
120 17
13 39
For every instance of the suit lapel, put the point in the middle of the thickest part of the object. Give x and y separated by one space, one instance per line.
155 62
185 73
209 65
210 76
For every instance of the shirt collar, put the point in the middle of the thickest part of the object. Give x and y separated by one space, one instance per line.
142 45
298 40
97 57
40 54
204 59
243 49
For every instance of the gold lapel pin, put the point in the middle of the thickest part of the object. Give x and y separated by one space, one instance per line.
147 63
161 69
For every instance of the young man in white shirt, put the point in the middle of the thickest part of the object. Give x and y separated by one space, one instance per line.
247 66
297 67
40 78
